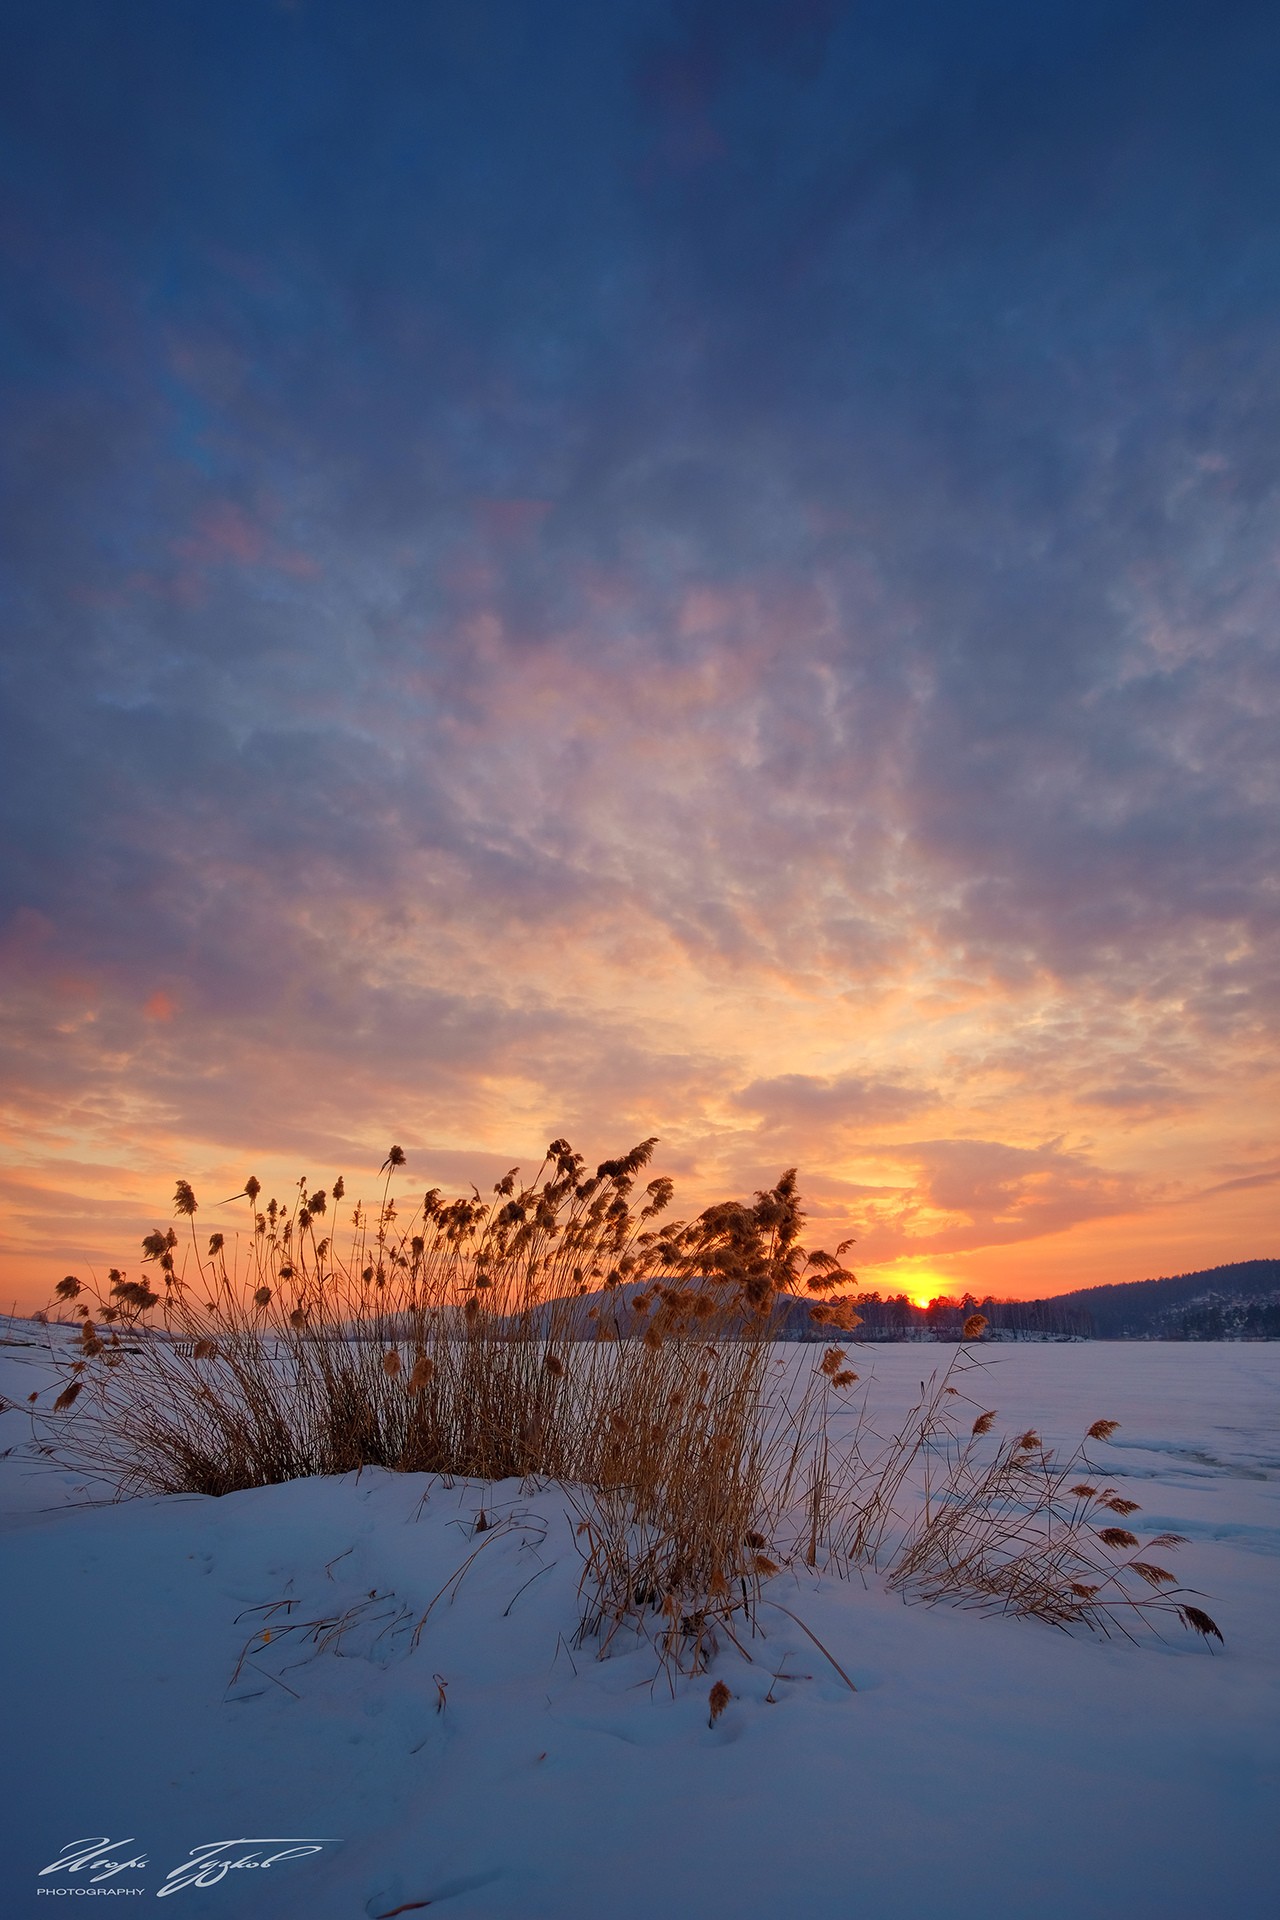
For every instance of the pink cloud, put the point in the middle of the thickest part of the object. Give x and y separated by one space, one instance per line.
512 520
225 535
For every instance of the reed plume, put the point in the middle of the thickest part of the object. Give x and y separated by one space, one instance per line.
455 1336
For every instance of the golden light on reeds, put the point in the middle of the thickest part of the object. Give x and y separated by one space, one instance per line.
457 1337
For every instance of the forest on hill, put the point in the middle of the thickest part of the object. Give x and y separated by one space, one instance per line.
1236 1302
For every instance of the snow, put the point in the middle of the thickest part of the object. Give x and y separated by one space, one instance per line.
983 1768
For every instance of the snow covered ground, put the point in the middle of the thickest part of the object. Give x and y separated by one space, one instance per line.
983 1768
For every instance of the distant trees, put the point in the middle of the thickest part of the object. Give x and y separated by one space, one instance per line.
1226 1319
894 1317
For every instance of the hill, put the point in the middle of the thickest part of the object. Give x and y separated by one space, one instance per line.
1237 1302
1240 1301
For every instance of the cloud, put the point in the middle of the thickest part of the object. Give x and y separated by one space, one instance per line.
617 569
809 1103
968 1194
1241 1185
1138 1096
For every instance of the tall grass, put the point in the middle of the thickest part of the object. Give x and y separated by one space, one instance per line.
949 1515
564 1329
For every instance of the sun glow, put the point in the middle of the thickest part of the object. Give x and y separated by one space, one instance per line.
921 1284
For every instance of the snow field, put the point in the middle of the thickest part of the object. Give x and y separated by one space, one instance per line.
984 1766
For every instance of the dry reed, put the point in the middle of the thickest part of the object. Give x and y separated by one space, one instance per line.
560 1329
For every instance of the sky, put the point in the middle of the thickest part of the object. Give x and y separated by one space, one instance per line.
706 569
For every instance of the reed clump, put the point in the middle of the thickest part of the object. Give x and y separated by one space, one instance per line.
560 1328
564 1329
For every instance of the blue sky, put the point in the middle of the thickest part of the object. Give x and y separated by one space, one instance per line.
698 569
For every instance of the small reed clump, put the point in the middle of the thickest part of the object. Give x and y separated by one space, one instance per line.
1009 1528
